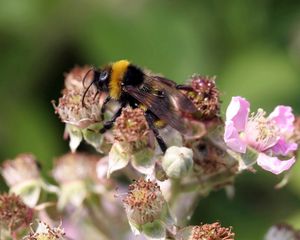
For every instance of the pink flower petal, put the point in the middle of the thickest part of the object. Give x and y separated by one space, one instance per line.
284 118
232 138
237 112
273 164
282 147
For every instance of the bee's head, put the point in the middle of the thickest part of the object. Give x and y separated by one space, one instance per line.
100 80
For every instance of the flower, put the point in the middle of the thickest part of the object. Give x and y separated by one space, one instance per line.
133 142
81 121
205 96
22 175
269 136
146 209
14 214
144 202
76 174
213 231
131 127
46 232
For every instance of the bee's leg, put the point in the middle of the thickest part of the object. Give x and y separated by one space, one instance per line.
150 119
184 87
103 108
108 125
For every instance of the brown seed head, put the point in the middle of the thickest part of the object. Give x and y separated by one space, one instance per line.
212 231
144 202
131 126
75 166
14 214
24 167
205 96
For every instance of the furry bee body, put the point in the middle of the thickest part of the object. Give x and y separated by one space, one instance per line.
157 96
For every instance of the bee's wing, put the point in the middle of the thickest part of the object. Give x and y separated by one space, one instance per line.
179 100
159 105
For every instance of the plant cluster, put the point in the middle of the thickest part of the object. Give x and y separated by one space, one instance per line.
124 185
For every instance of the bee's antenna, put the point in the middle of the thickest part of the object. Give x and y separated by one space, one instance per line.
87 89
87 73
85 92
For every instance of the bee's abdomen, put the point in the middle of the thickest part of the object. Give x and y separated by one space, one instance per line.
133 76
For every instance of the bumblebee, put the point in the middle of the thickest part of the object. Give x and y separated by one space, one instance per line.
159 97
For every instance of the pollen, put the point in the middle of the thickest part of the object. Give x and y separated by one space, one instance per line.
144 201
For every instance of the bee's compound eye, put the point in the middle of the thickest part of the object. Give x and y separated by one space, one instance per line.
103 75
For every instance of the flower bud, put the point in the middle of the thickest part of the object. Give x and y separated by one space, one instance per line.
212 231
177 161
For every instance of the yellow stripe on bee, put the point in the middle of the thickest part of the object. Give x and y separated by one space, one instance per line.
117 73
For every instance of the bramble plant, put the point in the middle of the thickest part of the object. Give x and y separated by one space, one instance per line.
125 186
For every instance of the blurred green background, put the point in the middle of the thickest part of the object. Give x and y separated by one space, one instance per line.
253 47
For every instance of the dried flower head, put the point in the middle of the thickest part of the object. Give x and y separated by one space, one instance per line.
131 126
14 214
212 231
73 79
205 96
75 166
144 203
24 167
70 109
45 232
